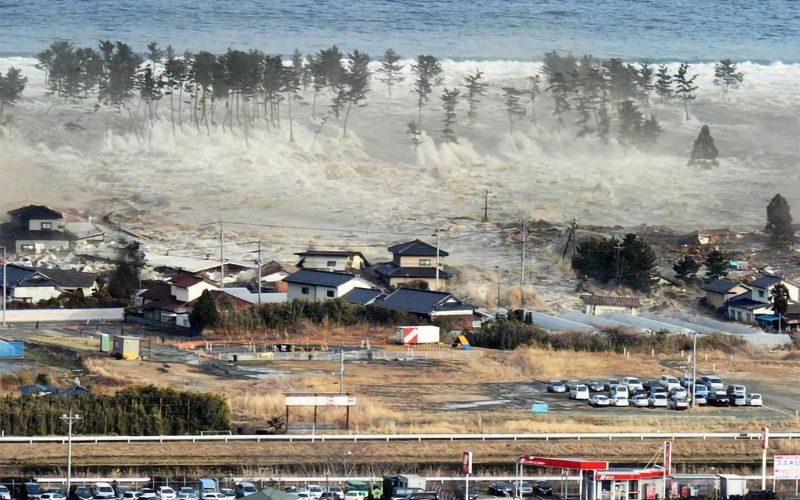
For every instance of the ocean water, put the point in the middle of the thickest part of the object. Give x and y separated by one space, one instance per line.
666 30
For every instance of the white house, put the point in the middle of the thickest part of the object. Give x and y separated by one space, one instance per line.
344 261
755 301
188 287
36 228
596 305
26 284
762 288
317 286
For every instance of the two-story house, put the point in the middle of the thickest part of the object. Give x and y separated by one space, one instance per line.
414 263
756 301
318 286
720 291
343 261
173 302
36 228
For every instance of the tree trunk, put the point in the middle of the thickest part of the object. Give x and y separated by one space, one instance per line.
291 124
686 108
180 105
172 111
346 117
314 105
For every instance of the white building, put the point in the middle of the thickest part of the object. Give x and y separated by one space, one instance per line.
597 305
317 286
344 261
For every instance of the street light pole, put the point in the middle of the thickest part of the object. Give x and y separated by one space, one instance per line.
436 233
694 372
5 284
69 420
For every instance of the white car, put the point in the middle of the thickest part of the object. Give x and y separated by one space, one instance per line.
228 493
620 390
187 496
355 495
640 401
754 399
315 491
713 382
103 491
633 384
658 400
579 391
51 496
166 493
148 494
619 399
212 495
679 392
132 495
599 400
4 493
669 382
678 403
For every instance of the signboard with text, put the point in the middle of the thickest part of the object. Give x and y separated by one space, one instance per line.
320 400
787 466
466 466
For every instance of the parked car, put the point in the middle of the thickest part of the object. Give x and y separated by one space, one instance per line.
611 383
28 491
104 491
525 489
650 383
686 382
80 493
186 489
404 493
658 400
292 490
595 386
131 495
639 392
718 398
150 494
572 383
186 496
4 493
619 398
658 389
598 400
542 488
640 401
337 490
305 495
619 390
120 490
738 400
355 495
632 383
700 396
244 488
556 386
713 382
473 492
167 493
668 382
230 494
679 392
678 403
501 489
55 490
754 399
424 495
736 390
580 392
51 496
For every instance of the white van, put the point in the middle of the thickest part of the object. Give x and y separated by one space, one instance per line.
669 382
579 391
619 396
633 384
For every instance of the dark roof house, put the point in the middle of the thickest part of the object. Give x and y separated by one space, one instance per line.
36 212
362 296
68 278
416 248
766 281
425 303
720 285
319 278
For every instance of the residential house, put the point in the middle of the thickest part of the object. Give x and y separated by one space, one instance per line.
35 228
756 301
597 305
414 263
73 281
26 284
272 275
762 288
430 304
362 296
317 286
173 302
345 261
720 291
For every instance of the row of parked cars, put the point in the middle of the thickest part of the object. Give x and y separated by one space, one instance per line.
539 488
106 491
665 392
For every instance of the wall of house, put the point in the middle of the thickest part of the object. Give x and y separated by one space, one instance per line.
413 261
397 282
36 224
762 295
39 246
33 315
597 310
34 294
719 300
320 262
191 293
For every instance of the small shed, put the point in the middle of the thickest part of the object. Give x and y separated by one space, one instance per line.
126 347
105 342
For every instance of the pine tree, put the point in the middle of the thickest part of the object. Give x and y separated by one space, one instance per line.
649 133
511 97
686 268
428 71
727 76
475 90
704 152
291 87
355 83
449 99
559 89
175 75
629 123
779 220
779 298
414 133
532 91
299 69
716 264
121 69
663 83
12 84
644 84
685 86
205 313
389 69
603 128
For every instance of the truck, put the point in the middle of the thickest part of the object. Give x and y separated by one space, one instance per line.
205 485
401 486
414 335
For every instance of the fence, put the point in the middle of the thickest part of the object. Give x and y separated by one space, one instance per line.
45 315
161 326
363 354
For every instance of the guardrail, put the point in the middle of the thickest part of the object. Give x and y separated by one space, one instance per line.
321 438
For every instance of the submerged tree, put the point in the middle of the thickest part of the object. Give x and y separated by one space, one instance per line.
726 75
355 83
475 90
704 152
716 264
634 129
560 90
629 262
663 83
779 220
644 86
124 280
686 267
532 91
12 84
389 69
514 109
414 133
121 66
428 71
685 87
449 99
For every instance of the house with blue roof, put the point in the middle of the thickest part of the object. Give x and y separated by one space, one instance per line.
26 284
431 305
318 286
754 305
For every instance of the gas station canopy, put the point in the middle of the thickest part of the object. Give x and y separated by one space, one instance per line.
563 463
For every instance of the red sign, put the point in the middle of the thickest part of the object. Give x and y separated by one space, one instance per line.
466 466
667 458
764 439
650 491
628 475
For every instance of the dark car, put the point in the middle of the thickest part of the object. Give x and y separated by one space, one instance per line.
595 386
27 491
650 383
718 399
119 491
404 493
80 493
473 492
611 383
500 489
424 495
542 488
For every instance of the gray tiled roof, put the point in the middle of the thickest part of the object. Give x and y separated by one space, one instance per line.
361 296
720 285
421 301
766 281
416 247
319 278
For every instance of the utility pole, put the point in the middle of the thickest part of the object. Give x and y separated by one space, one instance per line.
618 248
497 275
524 233
221 261
574 224
485 205
69 420
764 447
436 233
341 371
258 285
5 284
694 372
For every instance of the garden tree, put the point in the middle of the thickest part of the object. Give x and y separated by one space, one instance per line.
560 90
124 281
414 133
704 152
449 99
428 72
779 298
779 220
44 378
726 74
514 109
716 264
276 424
389 69
204 314
355 83
629 262
475 90
12 84
121 68
686 267
685 87
506 334
174 74
663 83
644 86
532 91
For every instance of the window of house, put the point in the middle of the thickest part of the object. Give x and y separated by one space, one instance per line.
749 317
739 315
27 248
424 262
47 225
305 290
761 293
330 293
331 263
